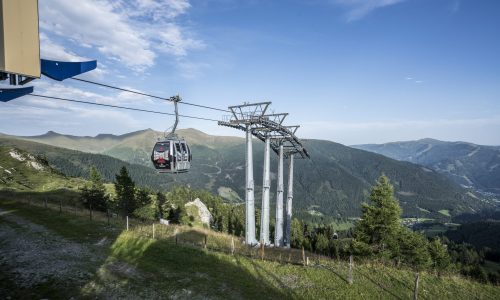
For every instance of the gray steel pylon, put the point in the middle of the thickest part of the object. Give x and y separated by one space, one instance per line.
289 199
266 186
249 196
278 232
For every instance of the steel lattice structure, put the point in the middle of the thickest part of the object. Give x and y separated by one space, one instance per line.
269 128
262 126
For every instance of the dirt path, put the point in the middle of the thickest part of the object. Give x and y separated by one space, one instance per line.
32 255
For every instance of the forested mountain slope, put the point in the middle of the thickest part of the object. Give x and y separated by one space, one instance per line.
467 164
334 182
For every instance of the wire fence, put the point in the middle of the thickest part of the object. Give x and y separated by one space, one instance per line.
183 235
220 242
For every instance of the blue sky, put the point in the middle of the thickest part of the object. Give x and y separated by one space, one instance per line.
350 71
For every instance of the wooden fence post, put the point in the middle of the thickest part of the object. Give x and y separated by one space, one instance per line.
205 241
232 245
127 223
303 256
307 261
350 279
415 292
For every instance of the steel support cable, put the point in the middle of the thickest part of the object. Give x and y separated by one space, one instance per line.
145 94
121 107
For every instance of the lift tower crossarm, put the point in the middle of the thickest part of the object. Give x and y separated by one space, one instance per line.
248 113
277 118
293 128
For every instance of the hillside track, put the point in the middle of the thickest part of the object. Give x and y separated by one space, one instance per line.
34 256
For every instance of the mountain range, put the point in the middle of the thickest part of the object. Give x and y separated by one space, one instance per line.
333 183
472 166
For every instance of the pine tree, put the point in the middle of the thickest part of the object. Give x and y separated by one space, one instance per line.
380 221
439 254
297 232
321 243
94 194
125 193
142 197
412 248
334 249
160 201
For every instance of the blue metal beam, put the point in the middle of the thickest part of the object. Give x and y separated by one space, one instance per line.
61 70
11 94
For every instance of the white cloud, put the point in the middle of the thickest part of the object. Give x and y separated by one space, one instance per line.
357 9
35 116
191 70
417 81
130 32
51 50
64 91
54 51
171 40
97 23
160 9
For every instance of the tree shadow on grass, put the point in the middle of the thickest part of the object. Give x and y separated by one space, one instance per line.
383 287
141 267
265 273
188 271
334 272
401 283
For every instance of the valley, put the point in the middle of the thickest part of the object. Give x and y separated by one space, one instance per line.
335 181
475 167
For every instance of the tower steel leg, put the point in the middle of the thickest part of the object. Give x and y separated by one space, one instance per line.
249 196
289 199
278 233
266 186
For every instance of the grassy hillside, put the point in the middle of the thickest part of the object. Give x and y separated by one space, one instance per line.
77 164
332 184
21 170
89 259
467 164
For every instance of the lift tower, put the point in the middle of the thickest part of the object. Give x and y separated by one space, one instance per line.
251 118
244 117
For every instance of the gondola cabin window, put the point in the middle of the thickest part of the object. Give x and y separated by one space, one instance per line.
161 156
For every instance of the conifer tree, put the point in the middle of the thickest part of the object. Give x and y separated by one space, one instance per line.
142 197
160 201
297 232
439 254
94 193
321 243
125 192
380 221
